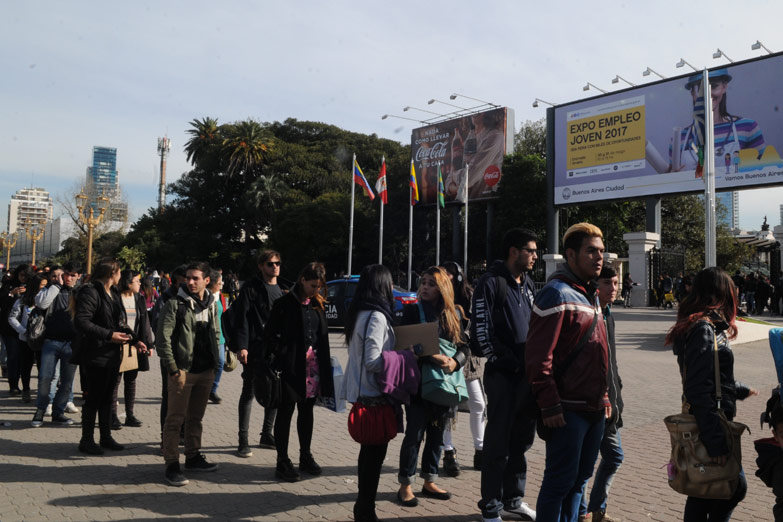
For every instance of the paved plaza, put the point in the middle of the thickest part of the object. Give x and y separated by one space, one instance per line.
44 477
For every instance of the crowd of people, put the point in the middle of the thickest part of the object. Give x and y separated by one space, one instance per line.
530 363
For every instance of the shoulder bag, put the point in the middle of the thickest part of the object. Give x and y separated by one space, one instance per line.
690 469
371 420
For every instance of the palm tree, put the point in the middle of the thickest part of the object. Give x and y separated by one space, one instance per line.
247 144
264 197
205 136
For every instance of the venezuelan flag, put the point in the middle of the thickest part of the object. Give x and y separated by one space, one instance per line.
414 186
358 177
441 195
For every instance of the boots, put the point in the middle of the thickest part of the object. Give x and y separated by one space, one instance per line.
105 427
87 444
450 464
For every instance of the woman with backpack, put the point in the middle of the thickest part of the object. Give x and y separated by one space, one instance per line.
436 304
9 293
18 317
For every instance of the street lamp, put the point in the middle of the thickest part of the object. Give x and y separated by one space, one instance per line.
539 100
717 54
648 71
447 103
402 118
683 63
454 97
90 220
587 88
758 45
8 243
617 79
408 107
34 234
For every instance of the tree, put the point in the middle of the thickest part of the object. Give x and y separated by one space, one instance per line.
531 138
205 139
131 258
246 145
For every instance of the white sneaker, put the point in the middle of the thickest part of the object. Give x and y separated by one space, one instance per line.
49 410
71 408
523 510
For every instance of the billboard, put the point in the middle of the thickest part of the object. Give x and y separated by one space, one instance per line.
641 141
480 140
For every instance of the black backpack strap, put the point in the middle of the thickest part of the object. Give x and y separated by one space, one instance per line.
578 348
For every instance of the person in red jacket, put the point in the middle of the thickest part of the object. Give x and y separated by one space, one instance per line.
566 360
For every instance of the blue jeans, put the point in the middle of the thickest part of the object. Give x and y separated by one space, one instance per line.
51 352
703 509
571 452
420 422
611 458
219 372
55 382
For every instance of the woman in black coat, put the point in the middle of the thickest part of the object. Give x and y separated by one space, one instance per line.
98 317
297 341
137 319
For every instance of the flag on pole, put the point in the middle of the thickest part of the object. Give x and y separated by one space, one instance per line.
441 190
358 176
380 185
414 186
462 191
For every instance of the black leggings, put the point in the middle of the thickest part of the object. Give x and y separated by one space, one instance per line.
304 426
129 378
26 359
100 389
370 463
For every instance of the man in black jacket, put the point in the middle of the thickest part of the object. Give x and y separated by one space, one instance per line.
611 448
55 301
253 308
502 304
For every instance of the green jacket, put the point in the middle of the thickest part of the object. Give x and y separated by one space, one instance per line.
175 348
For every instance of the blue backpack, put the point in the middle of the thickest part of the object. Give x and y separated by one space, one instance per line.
437 386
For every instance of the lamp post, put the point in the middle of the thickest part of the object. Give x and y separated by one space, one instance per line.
758 45
647 72
617 79
683 63
90 220
539 100
34 234
717 54
587 88
9 242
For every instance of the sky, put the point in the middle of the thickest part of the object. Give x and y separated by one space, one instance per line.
81 74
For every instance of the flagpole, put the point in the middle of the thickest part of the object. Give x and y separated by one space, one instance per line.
410 234
710 258
437 221
465 195
380 228
350 226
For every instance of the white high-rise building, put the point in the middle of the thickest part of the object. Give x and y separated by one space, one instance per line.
29 204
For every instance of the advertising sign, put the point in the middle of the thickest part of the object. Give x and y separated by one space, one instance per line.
642 141
474 144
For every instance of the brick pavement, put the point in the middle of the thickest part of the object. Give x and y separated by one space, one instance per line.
45 478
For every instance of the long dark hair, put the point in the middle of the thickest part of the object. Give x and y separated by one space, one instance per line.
463 292
105 268
310 272
21 269
33 284
375 284
713 293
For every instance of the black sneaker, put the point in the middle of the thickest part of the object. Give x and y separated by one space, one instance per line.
26 396
62 420
450 464
199 463
133 422
244 451
214 398
267 441
174 475
285 471
90 448
308 464
115 423
37 418
111 444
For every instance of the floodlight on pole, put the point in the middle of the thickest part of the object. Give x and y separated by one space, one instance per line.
455 95
407 108
446 103
539 100
617 79
717 54
683 63
587 88
385 116
758 45
648 71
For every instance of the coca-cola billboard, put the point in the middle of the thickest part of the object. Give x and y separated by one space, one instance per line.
474 144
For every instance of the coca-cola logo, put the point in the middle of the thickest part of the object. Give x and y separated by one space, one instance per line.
437 151
492 175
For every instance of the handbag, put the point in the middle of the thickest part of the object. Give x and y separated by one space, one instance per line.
230 362
371 420
437 385
336 403
36 327
267 385
690 470
130 358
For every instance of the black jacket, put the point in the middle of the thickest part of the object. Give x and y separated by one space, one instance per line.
59 324
770 463
98 315
502 344
614 380
6 303
696 360
252 314
284 342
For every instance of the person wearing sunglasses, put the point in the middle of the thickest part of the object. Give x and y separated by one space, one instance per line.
254 306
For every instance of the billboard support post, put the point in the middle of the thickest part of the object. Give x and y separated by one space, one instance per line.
380 237
710 257
652 206
465 195
350 226
410 236
552 224
437 234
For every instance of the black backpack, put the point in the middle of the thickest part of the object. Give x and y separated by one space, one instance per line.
36 327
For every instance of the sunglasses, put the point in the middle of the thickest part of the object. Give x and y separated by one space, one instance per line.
270 264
